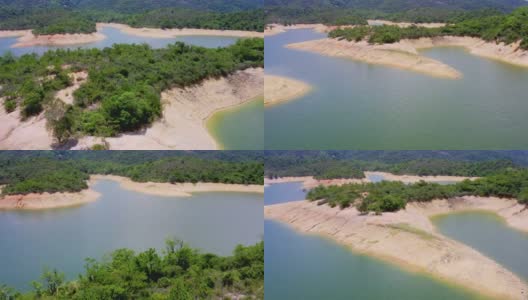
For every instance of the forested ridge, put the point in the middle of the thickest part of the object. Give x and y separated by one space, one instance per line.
352 164
392 196
179 272
509 29
124 82
27 173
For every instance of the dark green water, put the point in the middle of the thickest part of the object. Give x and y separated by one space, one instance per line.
115 36
63 238
490 235
310 267
239 128
355 105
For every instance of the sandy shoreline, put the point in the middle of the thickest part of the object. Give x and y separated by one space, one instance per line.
392 55
408 238
310 182
36 201
405 24
185 113
27 39
278 89
166 189
182 126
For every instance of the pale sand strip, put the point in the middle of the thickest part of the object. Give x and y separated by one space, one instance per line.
179 189
309 182
408 238
392 55
405 24
29 39
185 112
171 33
279 89
36 201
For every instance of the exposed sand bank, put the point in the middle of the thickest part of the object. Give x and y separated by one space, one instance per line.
29 39
392 55
171 33
415 178
185 112
510 54
77 78
405 24
30 134
274 29
279 89
179 189
310 182
36 201
182 126
408 238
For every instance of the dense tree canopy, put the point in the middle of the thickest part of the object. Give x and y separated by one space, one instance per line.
180 272
124 82
392 196
352 164
37 174
498 28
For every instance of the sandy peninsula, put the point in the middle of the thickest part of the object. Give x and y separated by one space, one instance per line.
278 89
405 24
165 189
29 39
274 29
185 113
396 55
172 33
408 238
415 178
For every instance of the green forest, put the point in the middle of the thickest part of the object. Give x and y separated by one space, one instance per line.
178 273
124 82
352 164
80 16
497 28
388 196
24 173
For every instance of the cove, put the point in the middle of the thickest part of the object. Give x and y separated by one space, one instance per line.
490 235
300 266
63 238
115 36
363 106
240 127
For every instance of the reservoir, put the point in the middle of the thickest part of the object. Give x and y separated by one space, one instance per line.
115 36
300 266
490 235
355 105
63 238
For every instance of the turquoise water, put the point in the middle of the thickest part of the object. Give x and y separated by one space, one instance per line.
302 266
63 238
355 105
115 36
490 235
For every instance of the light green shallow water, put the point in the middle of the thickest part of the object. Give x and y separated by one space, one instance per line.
240 127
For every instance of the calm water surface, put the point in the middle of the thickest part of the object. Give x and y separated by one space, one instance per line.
302 266
241 127
490 235
63 238
115 36
362 106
